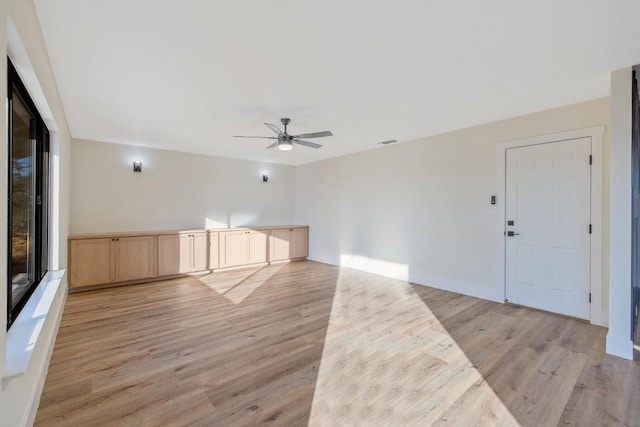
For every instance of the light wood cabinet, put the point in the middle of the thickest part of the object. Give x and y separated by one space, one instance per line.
242 247
288 243
182 253
279 245
90 262
106 260
300 242
122 258
173 254
233 248
257 246
214 261
199 251
134 258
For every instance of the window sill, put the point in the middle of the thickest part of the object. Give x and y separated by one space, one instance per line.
25 331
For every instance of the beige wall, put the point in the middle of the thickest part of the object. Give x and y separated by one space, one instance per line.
420 210
175 190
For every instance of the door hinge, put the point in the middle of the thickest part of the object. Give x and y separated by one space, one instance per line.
590 159
590 229
589 297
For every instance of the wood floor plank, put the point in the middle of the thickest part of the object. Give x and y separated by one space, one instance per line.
307 343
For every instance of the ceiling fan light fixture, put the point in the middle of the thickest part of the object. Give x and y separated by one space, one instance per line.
285 145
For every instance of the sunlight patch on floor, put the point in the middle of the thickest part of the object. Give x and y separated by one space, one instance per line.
376 266
387 360
236 285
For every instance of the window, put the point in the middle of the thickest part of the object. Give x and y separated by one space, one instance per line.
28 217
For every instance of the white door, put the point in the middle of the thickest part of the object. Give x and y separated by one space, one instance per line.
547 231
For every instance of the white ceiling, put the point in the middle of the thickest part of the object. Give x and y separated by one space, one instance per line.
187 75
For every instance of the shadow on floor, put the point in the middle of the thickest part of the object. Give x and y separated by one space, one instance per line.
547 369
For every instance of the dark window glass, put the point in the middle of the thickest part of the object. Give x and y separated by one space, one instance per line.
23 199
28 196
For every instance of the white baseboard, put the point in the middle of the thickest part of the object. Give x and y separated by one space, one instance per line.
382 269
470 289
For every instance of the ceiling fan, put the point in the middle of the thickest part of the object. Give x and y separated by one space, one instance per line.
285 141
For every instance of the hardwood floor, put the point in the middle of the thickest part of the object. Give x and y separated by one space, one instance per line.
311 344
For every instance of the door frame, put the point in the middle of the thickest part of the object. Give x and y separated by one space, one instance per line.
598 313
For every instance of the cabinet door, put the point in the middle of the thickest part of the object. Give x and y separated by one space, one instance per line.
174 254
134 258
233 248
279 244
91 262
213 251
199 251
257 247
300 243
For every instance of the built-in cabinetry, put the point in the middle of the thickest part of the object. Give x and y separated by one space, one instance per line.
288 243
101 260
214 261
116 258
182 252
242 247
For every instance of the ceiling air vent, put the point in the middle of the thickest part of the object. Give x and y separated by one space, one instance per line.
389 141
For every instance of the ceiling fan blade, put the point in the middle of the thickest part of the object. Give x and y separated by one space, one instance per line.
275 144
274 128
244 136
307 143
314 134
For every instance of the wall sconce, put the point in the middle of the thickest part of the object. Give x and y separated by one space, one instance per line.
137 166
265 177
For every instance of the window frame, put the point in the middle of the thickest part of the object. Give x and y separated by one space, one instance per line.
41 216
